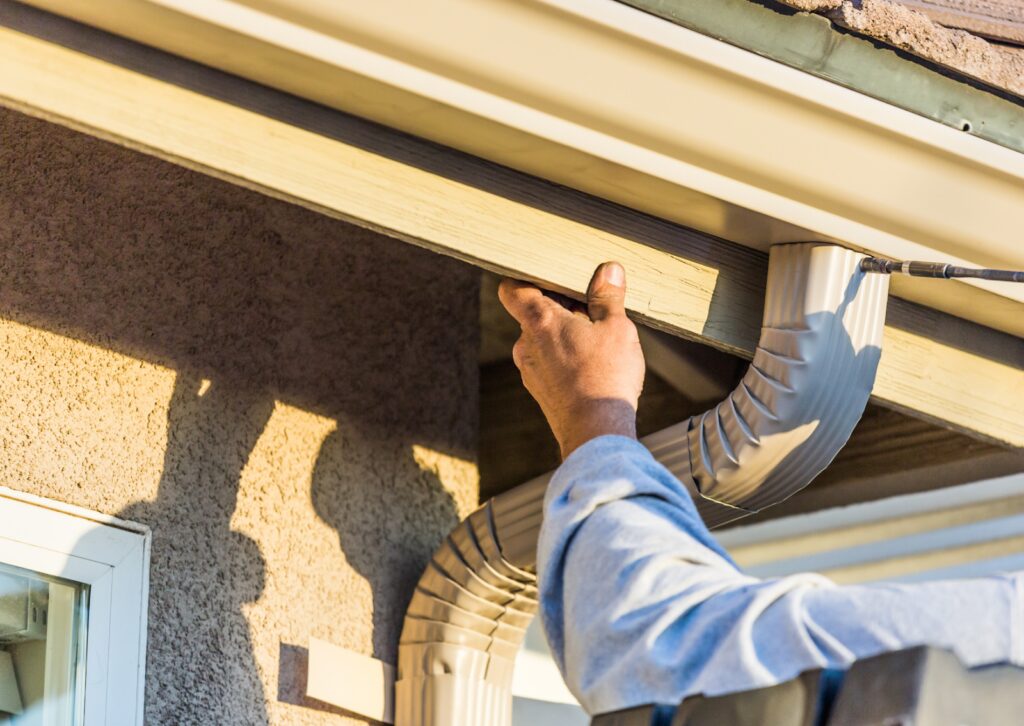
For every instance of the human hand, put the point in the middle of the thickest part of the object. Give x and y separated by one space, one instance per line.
583 365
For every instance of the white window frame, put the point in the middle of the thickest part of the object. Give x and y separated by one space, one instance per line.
109 555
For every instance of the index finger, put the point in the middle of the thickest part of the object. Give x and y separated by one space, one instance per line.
523 300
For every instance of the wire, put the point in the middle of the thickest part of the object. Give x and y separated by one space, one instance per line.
936 269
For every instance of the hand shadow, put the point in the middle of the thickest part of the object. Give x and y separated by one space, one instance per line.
388 515
201 669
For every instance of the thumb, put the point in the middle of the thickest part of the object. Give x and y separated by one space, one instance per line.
606 295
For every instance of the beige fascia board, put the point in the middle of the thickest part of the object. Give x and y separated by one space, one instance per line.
944 369
607 99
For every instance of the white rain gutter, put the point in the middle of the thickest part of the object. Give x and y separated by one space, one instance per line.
793 411
618 103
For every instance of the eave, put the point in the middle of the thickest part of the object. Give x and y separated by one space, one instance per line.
620 104
944 369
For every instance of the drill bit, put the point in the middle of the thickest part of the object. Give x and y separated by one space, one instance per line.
937 269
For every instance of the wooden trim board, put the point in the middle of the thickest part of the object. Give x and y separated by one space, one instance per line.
692 285
626 106
353 681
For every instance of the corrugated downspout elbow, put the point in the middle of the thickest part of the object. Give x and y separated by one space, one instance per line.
795 408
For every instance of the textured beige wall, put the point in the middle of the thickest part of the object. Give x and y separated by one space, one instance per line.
288 401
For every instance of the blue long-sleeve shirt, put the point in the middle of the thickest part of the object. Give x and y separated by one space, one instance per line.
641 605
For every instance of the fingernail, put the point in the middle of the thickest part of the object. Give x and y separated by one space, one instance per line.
614 274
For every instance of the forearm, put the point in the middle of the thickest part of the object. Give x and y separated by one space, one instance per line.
641 605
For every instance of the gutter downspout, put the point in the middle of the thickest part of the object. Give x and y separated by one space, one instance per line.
805 390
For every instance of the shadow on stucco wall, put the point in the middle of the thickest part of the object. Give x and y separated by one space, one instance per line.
201 579
276 307
380 538
373 496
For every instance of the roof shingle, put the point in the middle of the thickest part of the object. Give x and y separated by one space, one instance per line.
905 28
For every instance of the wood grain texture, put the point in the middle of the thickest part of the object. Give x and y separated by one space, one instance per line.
890 455
886 441
690 284
715 137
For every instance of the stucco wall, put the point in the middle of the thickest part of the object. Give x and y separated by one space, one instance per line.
288 401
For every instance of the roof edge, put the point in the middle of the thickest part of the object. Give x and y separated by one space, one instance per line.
848 55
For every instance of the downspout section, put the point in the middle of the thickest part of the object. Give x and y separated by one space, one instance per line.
795 408
805 390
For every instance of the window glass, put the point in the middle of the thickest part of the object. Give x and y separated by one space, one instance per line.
42 649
